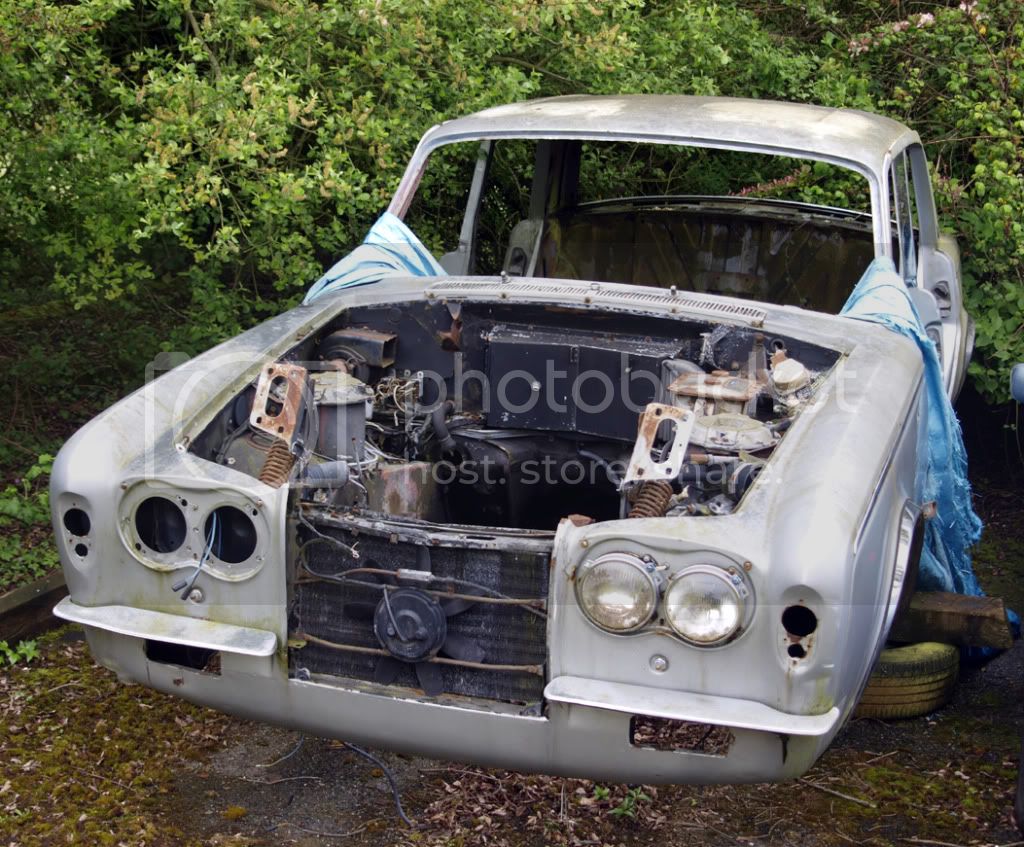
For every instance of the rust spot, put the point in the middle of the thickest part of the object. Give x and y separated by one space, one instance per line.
579 520
451 339
278 400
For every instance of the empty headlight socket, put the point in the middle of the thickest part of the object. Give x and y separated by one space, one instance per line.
168 528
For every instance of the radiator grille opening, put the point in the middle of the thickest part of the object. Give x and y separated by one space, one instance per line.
333 611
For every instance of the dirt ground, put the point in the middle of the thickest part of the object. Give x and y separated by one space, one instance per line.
943 779
87 760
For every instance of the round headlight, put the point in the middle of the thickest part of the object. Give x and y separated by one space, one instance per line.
617 591
704 606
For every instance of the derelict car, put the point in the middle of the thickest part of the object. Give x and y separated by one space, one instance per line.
608 488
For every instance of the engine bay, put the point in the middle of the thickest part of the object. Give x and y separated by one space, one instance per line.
432 449
518 416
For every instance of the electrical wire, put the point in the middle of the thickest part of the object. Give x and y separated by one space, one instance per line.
189 584
366 754
345 579
391 617
352 551
286 756
229 439
613 477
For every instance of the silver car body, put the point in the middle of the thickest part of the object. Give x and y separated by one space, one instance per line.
831 526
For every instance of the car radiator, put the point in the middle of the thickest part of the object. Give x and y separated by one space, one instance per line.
335 599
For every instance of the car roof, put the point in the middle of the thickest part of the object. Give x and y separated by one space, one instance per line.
849 135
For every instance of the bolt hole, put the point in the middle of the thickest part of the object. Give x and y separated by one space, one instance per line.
81 550
799 621
796 651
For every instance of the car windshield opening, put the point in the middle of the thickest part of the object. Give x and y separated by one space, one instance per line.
774 229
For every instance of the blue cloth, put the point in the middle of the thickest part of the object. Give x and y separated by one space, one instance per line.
390 249
881 296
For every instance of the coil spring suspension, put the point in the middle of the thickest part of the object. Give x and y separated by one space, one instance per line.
652 500
278 465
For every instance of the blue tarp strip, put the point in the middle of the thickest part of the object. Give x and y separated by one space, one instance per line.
881 296
390 249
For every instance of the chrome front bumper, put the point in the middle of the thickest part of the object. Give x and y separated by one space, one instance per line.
586 731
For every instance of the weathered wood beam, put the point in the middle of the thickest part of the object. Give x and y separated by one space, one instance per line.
954 619
28 610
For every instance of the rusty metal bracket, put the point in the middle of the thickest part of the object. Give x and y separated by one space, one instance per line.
279 400
643 466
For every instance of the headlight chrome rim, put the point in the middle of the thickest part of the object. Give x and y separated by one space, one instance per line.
732 582
651 583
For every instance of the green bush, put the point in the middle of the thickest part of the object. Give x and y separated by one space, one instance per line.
956 75
204 160
239 147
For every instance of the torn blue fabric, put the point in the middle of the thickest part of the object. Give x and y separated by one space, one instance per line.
881 296
390 249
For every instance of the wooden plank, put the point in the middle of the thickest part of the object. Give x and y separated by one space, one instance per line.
954 619
28 610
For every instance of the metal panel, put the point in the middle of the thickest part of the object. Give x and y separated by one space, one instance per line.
573 381
599 294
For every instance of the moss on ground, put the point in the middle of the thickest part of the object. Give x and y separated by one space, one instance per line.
87 760
999 556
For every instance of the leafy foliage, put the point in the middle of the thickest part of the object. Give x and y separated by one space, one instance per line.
24 651
26 544
198 164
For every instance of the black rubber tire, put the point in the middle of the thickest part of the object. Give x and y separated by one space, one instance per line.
910 681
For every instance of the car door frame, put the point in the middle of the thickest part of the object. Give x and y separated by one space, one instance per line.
936 285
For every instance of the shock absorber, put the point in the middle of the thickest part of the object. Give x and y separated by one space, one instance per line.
652 499
278 465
